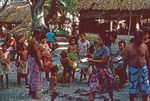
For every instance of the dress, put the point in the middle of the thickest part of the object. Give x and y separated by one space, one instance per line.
4 69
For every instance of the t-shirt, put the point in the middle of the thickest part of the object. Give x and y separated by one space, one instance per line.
104 51
50 37
83 47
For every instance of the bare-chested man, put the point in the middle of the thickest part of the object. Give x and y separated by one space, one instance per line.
21 63
136 57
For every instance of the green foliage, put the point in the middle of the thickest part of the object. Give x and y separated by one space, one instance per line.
65 5
68 5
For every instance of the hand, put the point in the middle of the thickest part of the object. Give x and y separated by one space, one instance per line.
90 59
17 64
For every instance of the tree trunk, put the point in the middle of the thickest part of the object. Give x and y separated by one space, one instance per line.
52 11
4 5
37 12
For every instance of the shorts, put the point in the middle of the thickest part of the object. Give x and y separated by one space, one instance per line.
138 80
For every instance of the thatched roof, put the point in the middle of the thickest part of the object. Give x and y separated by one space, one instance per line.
106 5
16 12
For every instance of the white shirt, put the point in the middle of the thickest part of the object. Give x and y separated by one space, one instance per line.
83 47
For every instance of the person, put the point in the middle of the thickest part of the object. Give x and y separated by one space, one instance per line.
76 34
117 64
137 58
65 61
113 44
83 45
46 57
53 82
5 65
35 65
73 54
101 76
21 64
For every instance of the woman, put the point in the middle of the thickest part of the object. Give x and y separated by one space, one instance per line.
35 66
101 77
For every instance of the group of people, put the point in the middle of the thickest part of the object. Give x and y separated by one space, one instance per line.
108 73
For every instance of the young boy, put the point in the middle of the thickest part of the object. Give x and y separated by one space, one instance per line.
65 61
21 63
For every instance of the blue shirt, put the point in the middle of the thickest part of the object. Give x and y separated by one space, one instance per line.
50 37
104 51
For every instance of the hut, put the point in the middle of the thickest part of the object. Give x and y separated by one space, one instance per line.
99 15
16 18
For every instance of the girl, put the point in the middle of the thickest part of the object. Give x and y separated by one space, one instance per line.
65 61
73 54
4 68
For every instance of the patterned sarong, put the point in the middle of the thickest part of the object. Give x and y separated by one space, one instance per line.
35 75
23 67
100 79
138 80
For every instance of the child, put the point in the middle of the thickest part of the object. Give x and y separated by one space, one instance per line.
4 66
46 57
21 63
53 83
73 54
65 61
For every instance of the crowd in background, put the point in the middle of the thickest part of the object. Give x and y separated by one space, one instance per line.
107 58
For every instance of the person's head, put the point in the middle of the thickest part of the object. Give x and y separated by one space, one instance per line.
101 40
43 40
36 35
147 33
121 45
63 54
24 46
4 47
76 31
112 37
83 37
72 40
139 37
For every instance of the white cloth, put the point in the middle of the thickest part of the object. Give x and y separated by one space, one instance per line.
83 47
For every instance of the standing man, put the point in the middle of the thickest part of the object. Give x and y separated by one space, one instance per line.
137 57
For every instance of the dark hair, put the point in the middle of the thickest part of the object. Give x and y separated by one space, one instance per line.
82 34
139 33
63 54
113 35
103 37
146 29
70 39
124 43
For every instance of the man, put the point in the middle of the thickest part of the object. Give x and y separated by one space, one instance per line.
137 57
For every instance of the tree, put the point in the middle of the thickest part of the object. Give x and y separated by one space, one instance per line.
4 5
39 21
